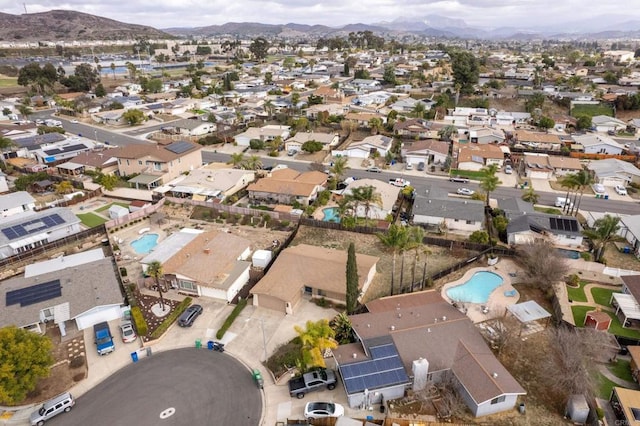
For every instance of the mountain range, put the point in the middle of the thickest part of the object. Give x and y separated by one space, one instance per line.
71 25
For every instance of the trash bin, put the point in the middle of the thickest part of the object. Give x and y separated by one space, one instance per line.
134 356
521 408
210 345
198 343
149 352
606 196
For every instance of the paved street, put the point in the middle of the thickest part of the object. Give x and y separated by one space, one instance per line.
193 384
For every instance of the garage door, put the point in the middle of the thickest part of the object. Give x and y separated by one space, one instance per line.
98 314
538 175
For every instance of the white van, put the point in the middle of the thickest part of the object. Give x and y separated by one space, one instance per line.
60 404
562 202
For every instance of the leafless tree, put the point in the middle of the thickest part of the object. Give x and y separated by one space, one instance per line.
450 402
506 333
542 264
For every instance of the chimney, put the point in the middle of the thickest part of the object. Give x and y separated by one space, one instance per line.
207 250
355 355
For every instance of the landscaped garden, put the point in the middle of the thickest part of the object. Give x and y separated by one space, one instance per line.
576 294
91 220
579 313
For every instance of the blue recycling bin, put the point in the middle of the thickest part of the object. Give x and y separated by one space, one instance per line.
134 356
210 345
606 196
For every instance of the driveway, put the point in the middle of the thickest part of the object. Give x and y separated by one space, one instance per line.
191 385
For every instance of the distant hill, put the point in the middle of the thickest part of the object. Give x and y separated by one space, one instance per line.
70 25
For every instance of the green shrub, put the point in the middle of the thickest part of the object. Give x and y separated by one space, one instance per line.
171 318
131 295
285 223
139 321
77 362
123 271
232 316
585 256
600 413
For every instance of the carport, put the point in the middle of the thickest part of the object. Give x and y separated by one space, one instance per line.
628 305
146 181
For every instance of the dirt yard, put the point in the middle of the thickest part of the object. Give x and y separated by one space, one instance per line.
436 258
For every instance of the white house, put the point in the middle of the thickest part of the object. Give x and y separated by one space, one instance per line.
191 127
264 133
599 144
328 140
604 123
428 151
16 203
436 209
364 148
388 197
611 172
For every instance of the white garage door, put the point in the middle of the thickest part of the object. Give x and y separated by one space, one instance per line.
538 175
98 314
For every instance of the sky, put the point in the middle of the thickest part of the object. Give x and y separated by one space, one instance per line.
485 14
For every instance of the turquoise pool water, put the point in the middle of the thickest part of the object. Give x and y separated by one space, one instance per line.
569 254
330 214
145 244
477 289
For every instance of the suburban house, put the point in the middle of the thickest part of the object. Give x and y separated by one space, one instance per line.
538 140
331 109
193 127
4 186
112 117
367 146
25 231
16 203
60 151
486 135
527 225
474 156
96 161
286 186
211 264
72 292
388 198
436 209
210 183
468 116
564 165
630 231
626 405
611 172
414 128
328 140
363 119
417 340
599 144
430 151
605 124
264 133
157 164
309 271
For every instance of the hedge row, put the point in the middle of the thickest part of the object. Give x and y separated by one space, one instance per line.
139 321
232 316
170 319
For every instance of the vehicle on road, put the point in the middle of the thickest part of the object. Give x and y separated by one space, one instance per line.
104 339
465 191
311 381
127 332
60 404
74 121
562 202
374 169
189 315
319 410
621 190
399 182
459 179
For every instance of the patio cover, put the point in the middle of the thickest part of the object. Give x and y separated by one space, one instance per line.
145 179
628 305
528 311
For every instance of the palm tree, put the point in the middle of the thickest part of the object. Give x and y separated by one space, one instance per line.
340 166
342 328
416 238
113 69
366 195
253 163
154 269
295 99
569 181
25 110
583 179
530 195
5 144
604 230
236 160
489 181
268 106
316 338
394 239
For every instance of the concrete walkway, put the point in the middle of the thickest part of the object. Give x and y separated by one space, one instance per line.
602 369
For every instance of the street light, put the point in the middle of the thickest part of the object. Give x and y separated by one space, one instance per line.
264 336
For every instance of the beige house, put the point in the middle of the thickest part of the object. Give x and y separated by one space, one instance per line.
328 140
213 182
97 161
475 156
309 271
157 164
286 186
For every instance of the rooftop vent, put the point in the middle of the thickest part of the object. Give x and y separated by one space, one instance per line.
494 375
354 356
428 330
393 327
444 318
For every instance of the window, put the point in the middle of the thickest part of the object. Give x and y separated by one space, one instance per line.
187 285
498 400
139 162
469 222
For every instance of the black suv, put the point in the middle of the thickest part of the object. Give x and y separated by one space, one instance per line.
189 315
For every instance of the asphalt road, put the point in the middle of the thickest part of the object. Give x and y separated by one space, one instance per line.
201 387
420 183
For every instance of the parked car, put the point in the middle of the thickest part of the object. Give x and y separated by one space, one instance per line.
465 191
292 152
318 410
421 166
409 166
459 179
127 332
621 190
189 315
374 169
60 404
508 170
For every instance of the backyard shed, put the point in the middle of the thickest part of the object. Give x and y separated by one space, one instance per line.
116 211
598 320
577 409
261 258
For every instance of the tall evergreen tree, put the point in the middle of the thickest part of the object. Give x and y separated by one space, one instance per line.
352 279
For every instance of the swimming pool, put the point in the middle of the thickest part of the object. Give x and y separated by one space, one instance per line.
145 244
569 254
477 289
330 214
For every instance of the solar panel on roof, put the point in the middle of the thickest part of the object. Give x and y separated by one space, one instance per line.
384 369
179 147
34 294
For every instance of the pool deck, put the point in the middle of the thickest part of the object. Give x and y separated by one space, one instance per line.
497 303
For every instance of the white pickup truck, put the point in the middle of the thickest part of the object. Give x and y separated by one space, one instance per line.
399 182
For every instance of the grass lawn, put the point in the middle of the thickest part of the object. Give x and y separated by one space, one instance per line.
91 220
577 294
548 210
8 82
591 110
107 206
579 312
471 174
621 369
605 386
602 295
